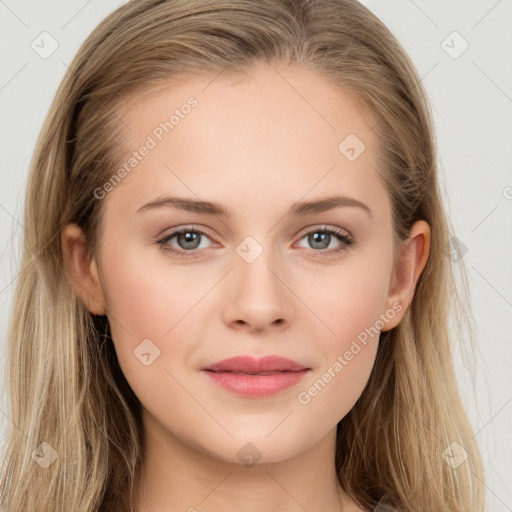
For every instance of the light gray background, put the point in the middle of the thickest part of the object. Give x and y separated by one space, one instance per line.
472 103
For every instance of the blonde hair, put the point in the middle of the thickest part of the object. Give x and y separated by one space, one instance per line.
65 385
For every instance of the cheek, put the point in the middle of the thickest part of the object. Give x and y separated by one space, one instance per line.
348 300
351 309
145 302
142 303
151 330
348 353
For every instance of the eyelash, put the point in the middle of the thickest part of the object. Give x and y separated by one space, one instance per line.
346 240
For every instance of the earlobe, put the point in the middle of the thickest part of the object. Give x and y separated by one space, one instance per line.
83 272
411 262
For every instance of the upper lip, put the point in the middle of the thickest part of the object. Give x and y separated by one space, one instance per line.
248 364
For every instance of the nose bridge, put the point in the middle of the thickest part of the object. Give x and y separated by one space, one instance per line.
256 269
258 296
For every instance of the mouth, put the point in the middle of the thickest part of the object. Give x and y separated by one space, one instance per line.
252 373
248 376
250 365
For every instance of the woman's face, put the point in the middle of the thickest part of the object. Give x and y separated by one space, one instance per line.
256 168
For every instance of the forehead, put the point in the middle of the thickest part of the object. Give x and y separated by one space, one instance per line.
268 97
272 131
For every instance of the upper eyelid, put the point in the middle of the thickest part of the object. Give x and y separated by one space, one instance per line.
323 227
194 227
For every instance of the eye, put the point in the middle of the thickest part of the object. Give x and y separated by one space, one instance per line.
320 239
188 240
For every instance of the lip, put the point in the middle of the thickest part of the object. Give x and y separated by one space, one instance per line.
257 377
249 364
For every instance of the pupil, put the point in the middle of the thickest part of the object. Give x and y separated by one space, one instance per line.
319 238
189 239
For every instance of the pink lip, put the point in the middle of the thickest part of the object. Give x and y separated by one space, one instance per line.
249 376
248 364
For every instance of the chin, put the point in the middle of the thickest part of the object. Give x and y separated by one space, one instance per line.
249 449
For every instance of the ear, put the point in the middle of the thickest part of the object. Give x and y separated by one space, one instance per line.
412 259
83 273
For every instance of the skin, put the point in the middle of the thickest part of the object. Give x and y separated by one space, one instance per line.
256 145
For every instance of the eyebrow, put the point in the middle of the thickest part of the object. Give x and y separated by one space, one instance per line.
300 208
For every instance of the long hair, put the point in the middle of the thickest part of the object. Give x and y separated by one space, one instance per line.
75 441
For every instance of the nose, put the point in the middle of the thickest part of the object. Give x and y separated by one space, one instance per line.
258 297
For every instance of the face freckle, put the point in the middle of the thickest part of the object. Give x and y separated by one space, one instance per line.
260 282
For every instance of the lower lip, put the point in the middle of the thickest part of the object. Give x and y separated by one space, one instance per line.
256 385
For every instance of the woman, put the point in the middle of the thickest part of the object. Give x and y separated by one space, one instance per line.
235 287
